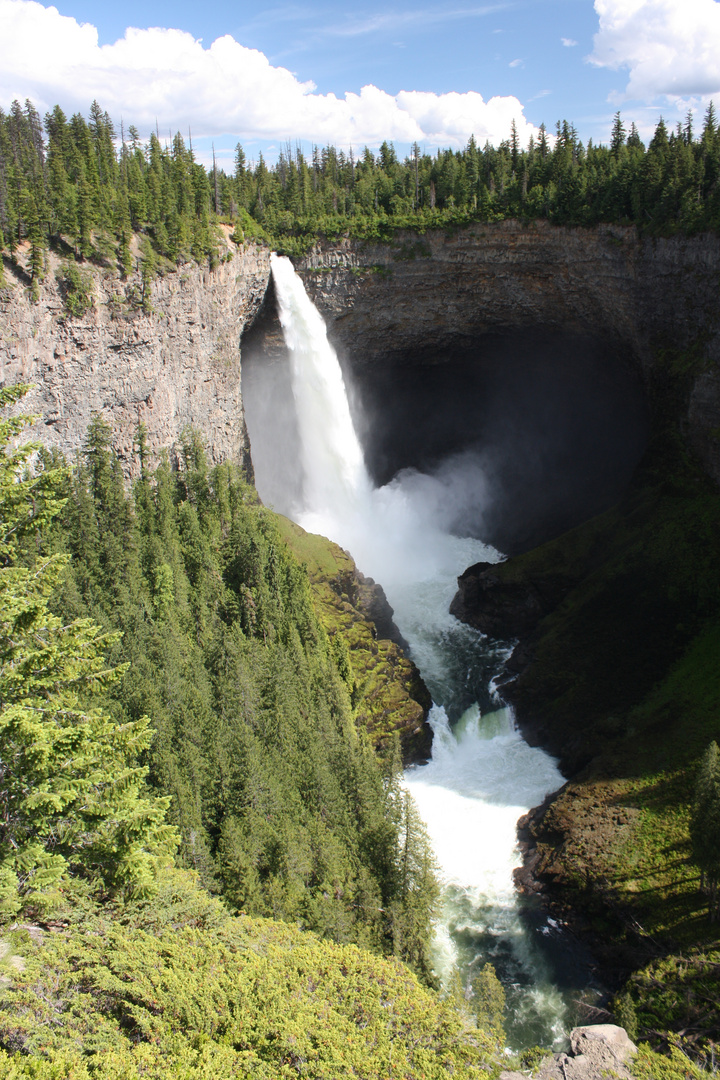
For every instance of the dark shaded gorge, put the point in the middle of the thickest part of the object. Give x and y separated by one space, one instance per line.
531 430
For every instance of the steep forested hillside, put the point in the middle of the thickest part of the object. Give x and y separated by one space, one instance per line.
178 713
171 985
169 696
278 798
87 186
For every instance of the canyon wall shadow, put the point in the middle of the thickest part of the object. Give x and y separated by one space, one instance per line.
531 431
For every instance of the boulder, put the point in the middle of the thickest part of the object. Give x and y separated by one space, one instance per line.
596 1052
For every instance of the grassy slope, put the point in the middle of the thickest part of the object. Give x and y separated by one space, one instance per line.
175 986
387 691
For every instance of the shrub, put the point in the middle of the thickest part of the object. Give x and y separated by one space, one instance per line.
76 290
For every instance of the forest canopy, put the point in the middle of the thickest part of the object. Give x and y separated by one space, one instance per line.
88 186
166 679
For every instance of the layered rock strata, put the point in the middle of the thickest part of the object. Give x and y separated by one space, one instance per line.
172 366
180 363
652 298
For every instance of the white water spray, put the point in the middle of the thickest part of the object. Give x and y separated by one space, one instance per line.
483 775
335 479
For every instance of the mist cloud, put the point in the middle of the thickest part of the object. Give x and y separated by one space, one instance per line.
168 76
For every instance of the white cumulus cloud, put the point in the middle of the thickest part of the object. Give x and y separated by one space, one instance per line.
168 76
670 47
568 42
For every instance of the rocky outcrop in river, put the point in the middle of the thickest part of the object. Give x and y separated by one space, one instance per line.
596 1052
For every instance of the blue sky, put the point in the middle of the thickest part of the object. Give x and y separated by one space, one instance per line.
353 74
438 47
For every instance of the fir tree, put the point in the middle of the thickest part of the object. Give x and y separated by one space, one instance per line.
617 138
73 794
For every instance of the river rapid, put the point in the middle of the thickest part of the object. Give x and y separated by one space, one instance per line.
482 776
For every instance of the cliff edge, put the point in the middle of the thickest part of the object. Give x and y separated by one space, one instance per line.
174 363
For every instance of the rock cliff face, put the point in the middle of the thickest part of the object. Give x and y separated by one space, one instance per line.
413 300
504 609
175 366
390 697
646 299
179 365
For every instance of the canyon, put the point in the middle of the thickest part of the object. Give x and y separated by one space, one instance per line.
550 358
645 307
544 354
397 312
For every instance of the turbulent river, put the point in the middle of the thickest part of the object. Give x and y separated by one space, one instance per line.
482 775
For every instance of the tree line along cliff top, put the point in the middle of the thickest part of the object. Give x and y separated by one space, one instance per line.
85 188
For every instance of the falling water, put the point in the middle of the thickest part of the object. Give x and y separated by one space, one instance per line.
482 775
334 476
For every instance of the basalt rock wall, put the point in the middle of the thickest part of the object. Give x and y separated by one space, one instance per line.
384 303
650 299
175 365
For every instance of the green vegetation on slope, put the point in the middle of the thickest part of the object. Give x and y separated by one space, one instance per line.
73 797
642 583
278 796
181 602
175 986
624 682
389 697
114 962
64 182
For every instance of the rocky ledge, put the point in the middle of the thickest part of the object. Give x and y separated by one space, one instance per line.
596 1052
501 607
388 694
570 845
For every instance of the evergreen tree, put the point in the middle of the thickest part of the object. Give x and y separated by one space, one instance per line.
617 138
81 187
488 1003
279 800
148 265
73 798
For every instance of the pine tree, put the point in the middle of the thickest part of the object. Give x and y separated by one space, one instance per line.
73 799
418 887
62 192
710 126
488 1001
634 139
37 241
147 271
617 137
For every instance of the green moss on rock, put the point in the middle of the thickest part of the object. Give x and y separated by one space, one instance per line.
389 698
620 677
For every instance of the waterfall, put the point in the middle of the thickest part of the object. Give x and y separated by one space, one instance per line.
482 775
335 479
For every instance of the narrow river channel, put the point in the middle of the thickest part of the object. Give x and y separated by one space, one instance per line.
482 775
